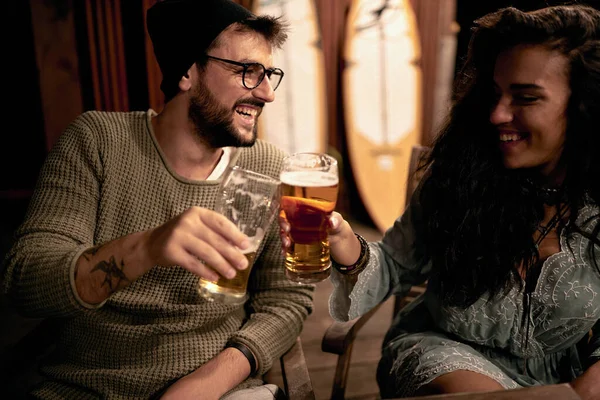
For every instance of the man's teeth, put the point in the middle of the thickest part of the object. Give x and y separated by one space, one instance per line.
509 137
247 111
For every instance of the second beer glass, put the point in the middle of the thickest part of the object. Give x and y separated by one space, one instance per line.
309 189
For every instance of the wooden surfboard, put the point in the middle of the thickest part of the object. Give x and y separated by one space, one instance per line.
382 98
296 120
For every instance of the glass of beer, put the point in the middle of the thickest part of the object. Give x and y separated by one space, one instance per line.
309 188
251 201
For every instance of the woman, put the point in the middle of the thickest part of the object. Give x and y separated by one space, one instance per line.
504 226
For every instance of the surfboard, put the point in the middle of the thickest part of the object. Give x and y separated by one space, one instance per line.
296 120
382 98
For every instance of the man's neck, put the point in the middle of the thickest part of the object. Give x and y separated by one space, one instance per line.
185 152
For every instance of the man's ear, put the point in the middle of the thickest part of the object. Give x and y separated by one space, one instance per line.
185 83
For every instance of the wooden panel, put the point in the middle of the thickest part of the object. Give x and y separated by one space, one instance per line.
436 25
107 55
56 58
93 53
446 61
332 20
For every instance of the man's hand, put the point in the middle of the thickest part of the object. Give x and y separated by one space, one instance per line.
587 385
212 380
200 240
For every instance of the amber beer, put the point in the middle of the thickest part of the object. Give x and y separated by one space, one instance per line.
232 291
307 200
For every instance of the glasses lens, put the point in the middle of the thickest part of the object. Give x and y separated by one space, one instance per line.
253 75
275 76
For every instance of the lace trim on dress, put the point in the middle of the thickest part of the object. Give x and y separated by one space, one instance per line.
413 370
350 300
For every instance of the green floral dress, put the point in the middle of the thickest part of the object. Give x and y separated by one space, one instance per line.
428 338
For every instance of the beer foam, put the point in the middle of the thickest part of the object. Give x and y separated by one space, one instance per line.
309 178
254 241
252 249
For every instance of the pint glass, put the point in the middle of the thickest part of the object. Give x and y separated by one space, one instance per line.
251 201
309 188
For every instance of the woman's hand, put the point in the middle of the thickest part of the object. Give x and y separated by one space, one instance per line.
343 244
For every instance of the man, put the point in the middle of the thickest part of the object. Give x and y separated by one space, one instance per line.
120 226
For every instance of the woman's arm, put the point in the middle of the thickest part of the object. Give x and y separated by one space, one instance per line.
587 385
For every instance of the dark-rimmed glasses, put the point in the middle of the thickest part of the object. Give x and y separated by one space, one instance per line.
254 73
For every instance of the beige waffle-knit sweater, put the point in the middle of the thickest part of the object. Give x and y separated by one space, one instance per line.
107 178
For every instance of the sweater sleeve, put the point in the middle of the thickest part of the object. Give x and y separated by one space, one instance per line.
277 306
58 227
395 264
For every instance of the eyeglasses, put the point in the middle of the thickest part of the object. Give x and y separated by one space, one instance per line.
254 73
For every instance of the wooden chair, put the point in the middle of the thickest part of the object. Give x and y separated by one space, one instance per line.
339 337
19 363
294 371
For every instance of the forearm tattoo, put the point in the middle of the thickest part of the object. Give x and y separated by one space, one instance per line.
87 255
114 274
90 252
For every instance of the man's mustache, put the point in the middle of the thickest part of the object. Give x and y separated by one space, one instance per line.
250 102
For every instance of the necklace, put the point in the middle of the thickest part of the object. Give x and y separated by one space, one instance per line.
544 230
549 196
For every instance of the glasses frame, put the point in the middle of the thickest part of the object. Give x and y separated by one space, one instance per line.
266 71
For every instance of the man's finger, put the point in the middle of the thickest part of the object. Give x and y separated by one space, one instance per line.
226 229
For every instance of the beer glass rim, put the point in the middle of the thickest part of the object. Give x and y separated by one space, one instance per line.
254 174
330 158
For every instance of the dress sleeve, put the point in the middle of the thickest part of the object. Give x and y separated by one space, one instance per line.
396 263
277 307
58 227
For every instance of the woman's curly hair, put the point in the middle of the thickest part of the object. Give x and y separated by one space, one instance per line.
480 215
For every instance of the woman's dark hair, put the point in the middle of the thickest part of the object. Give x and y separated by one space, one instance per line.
480 215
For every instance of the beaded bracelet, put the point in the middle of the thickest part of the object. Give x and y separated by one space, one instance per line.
360 264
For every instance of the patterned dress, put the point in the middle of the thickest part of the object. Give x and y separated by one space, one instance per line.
428 338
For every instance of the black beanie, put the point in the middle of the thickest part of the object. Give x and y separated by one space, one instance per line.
182 30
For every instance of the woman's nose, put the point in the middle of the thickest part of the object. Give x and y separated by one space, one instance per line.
501 112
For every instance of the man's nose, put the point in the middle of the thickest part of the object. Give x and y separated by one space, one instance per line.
264 91
501 112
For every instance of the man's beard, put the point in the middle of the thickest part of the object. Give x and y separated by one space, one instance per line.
214 122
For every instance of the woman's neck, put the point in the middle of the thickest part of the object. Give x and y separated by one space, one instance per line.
551 178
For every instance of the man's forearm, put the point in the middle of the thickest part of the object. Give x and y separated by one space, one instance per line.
212 380
105 269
